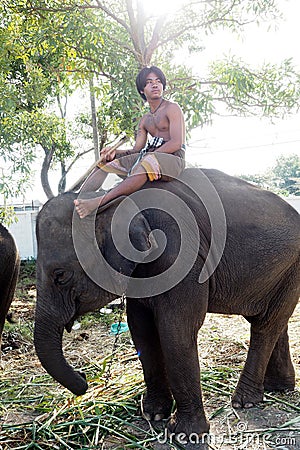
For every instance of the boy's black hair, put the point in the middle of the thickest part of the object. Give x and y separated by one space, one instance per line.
143 75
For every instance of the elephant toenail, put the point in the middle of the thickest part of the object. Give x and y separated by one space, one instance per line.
236 405
158 417
249 405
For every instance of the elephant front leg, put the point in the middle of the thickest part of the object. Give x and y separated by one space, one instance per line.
178 337
157 401
184 376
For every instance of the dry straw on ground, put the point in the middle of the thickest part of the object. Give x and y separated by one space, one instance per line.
36 413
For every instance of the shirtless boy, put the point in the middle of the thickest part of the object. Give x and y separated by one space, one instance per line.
161 157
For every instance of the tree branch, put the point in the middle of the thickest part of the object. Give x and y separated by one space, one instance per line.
113 16
78 156
134 30
155 39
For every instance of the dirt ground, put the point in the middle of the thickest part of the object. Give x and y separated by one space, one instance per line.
223 343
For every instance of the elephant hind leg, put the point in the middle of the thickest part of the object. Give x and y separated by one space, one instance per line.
267 367
280 373
268 343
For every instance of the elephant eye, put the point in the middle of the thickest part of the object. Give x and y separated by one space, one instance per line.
62 277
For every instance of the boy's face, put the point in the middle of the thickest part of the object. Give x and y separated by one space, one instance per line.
153 88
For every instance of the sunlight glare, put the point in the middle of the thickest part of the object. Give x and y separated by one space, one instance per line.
160 7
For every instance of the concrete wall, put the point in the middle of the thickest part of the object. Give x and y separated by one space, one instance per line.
294 202
24 233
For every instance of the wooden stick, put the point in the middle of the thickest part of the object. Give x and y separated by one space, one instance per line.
79 182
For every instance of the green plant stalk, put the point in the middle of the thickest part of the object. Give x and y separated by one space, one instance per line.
284 402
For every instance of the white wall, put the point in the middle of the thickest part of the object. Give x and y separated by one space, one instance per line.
294 202
23 232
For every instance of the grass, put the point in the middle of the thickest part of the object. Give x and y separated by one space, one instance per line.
36 413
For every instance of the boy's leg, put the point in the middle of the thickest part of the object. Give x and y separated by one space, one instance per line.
94 180
84 207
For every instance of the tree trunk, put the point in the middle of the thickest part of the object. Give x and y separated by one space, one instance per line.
94 119
62 181
44 173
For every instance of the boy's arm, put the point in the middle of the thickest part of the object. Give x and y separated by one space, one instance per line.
141 138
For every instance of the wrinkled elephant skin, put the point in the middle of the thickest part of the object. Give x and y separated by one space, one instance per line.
255 275
9 271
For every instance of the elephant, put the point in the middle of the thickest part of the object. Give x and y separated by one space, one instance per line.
237 253
9 272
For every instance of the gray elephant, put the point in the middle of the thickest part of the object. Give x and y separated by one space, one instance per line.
9 271
223 246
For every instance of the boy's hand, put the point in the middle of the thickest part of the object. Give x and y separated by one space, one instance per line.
107 154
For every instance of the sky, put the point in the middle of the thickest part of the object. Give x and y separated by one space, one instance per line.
238 145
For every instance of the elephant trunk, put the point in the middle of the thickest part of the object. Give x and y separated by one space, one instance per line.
48 345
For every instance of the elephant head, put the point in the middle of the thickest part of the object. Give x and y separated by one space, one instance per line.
65 290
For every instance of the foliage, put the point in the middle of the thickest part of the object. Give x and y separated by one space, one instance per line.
270 91
51 48
7 215
287 172
27 275
283 178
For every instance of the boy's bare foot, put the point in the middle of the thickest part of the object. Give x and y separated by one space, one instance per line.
85 206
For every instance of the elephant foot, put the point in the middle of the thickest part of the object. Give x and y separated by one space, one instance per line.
277 384
188 425
156 407
246 396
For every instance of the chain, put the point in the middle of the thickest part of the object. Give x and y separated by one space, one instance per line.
115 344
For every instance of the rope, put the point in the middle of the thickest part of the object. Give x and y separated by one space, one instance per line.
115 344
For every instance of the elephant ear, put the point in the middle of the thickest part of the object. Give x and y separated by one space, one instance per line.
124 237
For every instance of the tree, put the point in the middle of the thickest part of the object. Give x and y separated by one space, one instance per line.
283 178
52 47
287 174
